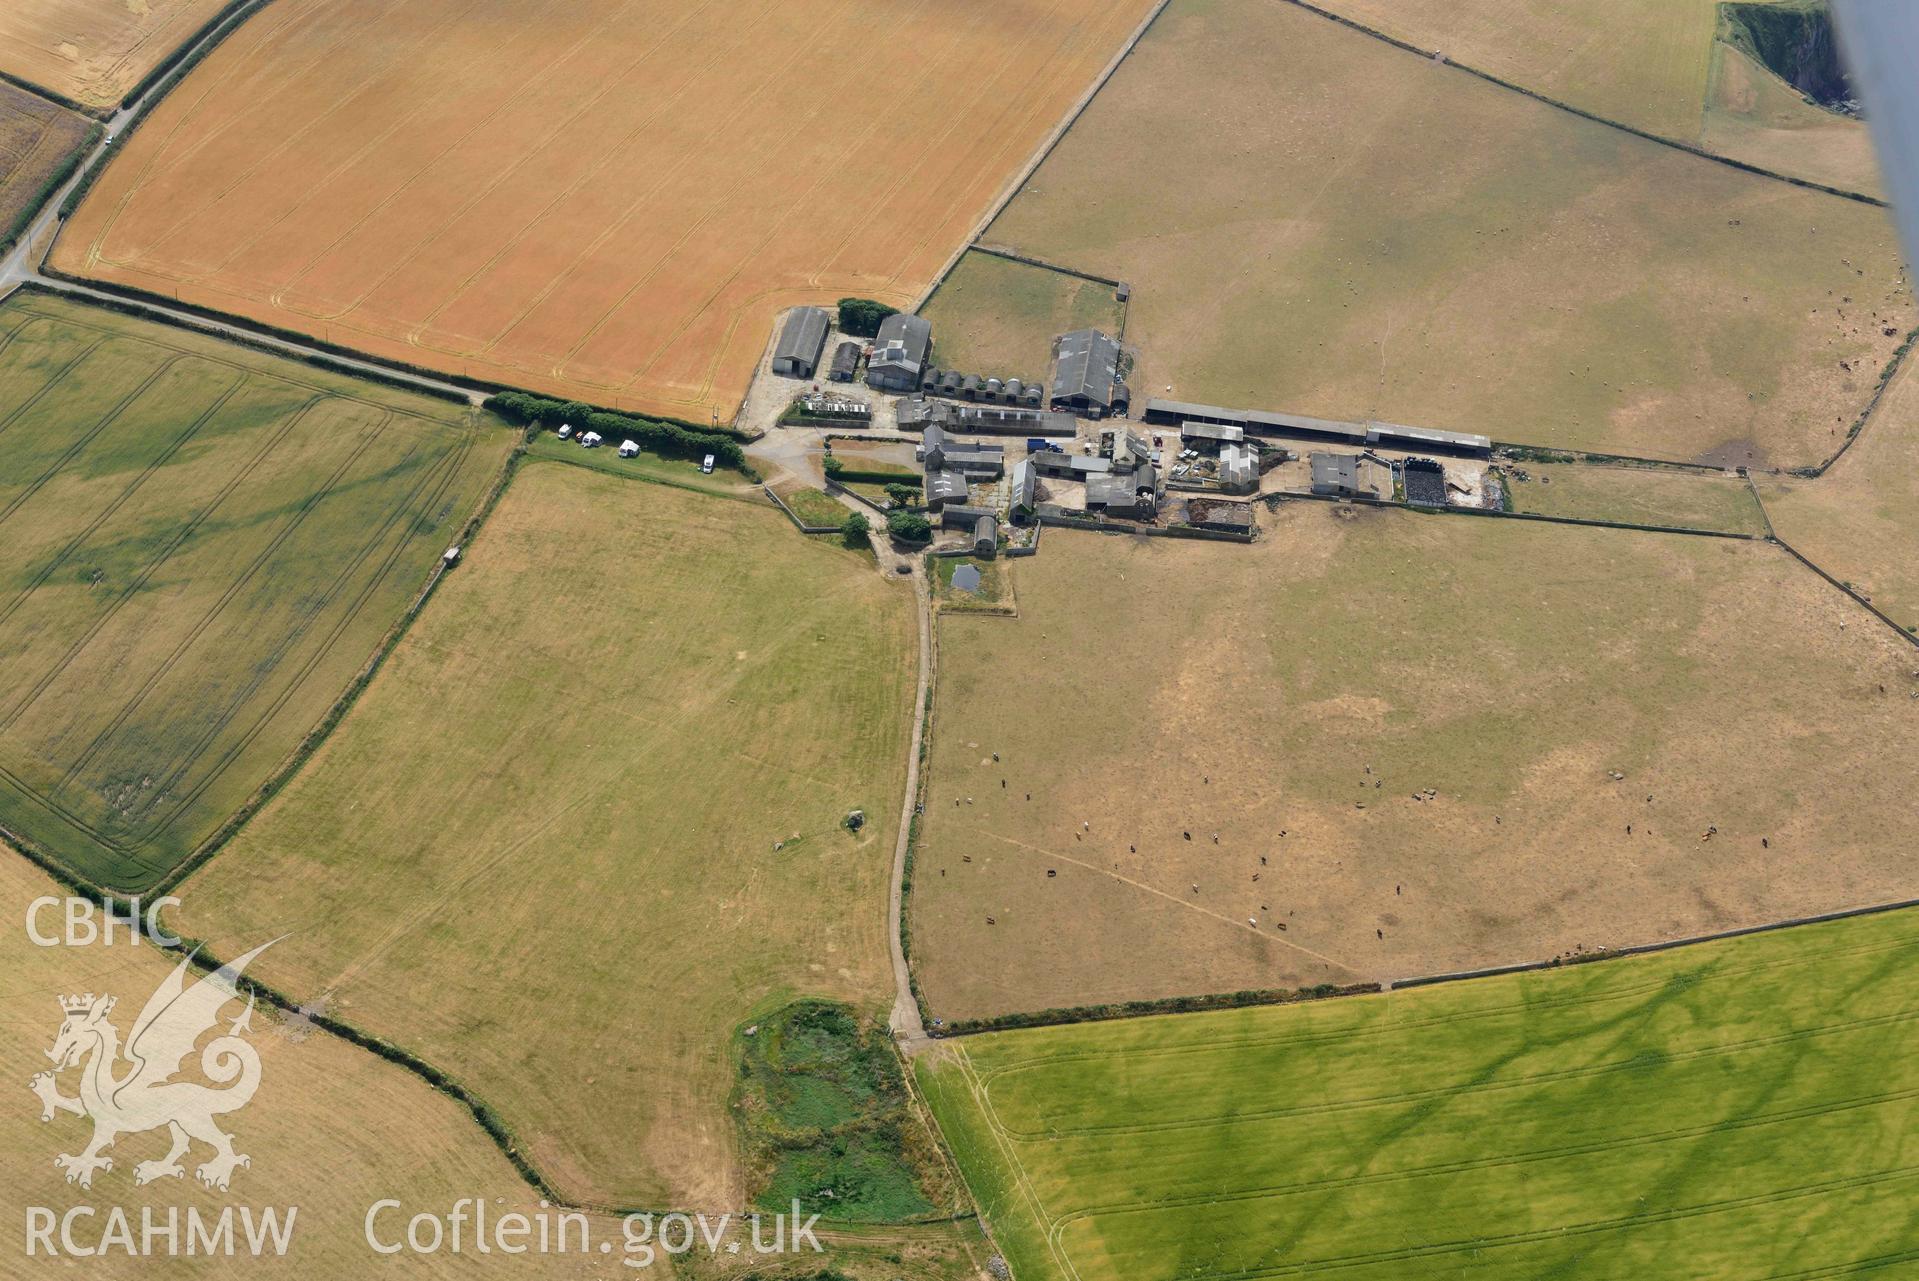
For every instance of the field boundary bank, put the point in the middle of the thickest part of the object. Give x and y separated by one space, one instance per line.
1547 454
149 94
166 66
1858 597
1692 149
1027 260
49 95
322 730
50 186
161 312
1866 415
1272 502
1019 180
1208 1003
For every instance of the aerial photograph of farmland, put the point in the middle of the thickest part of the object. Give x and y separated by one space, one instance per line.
1040 640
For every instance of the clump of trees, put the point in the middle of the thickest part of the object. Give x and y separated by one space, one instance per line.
861 316
909 527
660 437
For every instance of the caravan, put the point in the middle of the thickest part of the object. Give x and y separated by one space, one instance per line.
628 449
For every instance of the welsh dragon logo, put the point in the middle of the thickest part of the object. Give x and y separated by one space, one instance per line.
130 1090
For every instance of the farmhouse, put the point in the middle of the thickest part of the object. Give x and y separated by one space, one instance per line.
936 452
1086 373
802 338
899 354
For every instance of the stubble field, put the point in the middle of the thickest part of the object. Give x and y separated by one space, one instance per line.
36 136
601 199
1736 1110
200 546
552 849
332 1130
1315 221
1379 744
93 53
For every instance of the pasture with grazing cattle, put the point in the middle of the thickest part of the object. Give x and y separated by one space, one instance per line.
596 199
200 546
1739 1109
1377 744
586 823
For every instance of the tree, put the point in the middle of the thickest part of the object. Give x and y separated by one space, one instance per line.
902 496
861 316
909 527
853 532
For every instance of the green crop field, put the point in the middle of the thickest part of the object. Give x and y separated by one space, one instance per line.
585 823
1315 221
1736 1110
200 546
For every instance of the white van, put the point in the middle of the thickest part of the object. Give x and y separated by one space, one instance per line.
566 431
706 464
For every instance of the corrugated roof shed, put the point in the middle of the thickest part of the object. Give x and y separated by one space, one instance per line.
1088 363
801 340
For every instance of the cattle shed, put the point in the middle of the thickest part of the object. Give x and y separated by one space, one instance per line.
802 339
1392 436
1085 371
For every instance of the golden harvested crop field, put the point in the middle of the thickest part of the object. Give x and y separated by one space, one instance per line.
1315 221
332 1129
552 849
35 136
93 51
1379 744
595 198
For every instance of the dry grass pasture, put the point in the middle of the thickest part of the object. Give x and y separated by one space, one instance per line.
201 545
540 850
1313 220
1857 520
1638 495
1735 1110
998 318
1753 115
35 137
1656 65
1378 744
1641 62
332 1129
598 198
91 52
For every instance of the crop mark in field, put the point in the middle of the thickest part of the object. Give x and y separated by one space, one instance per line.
81 442
206 620
58 376
140 580
1587 1072
446 468
160 460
